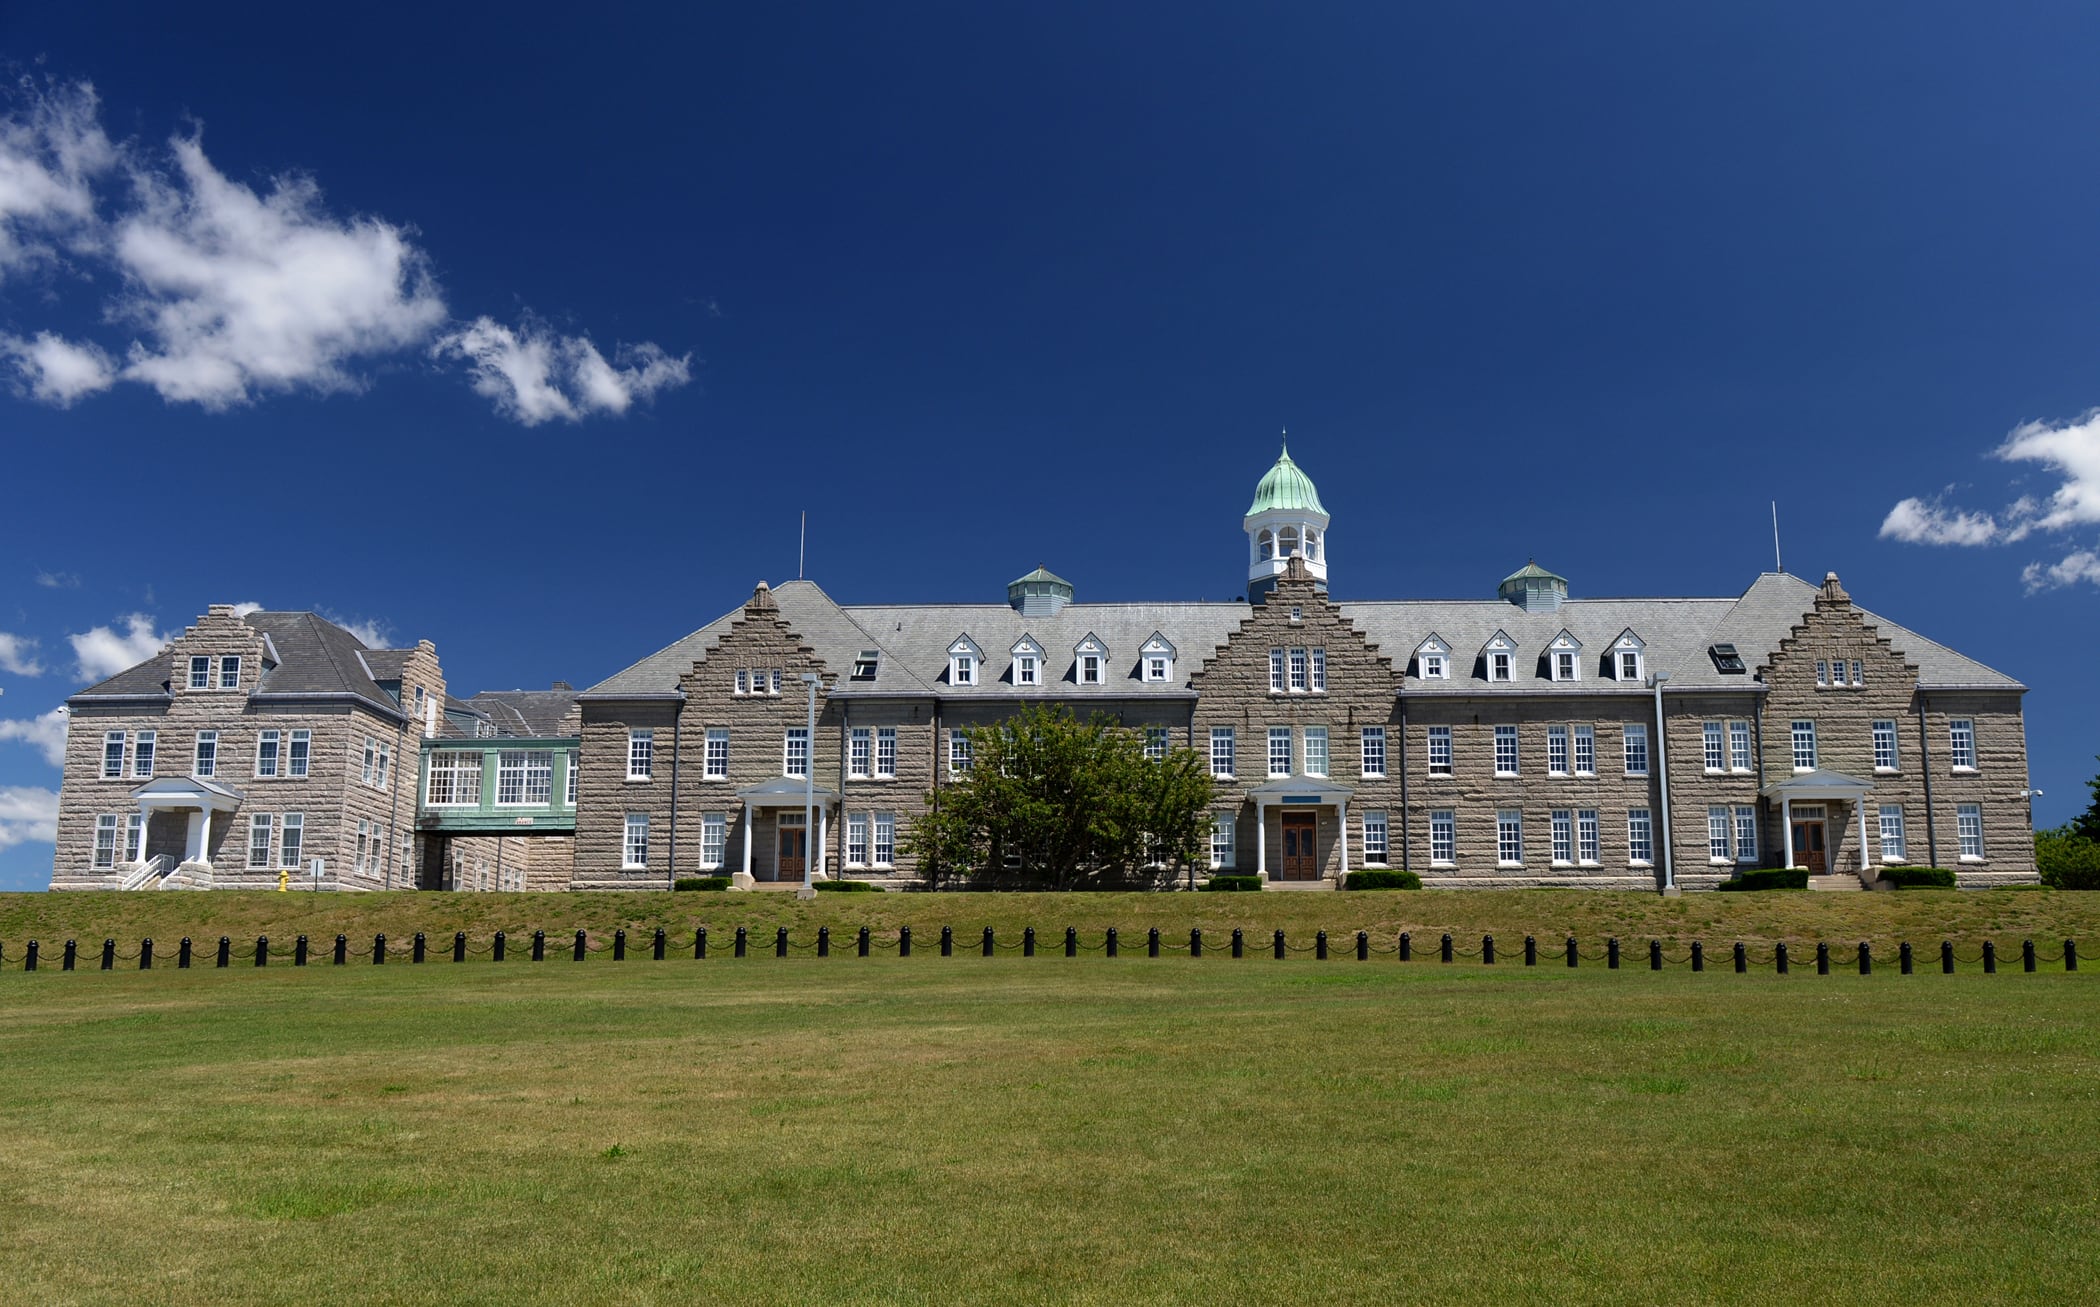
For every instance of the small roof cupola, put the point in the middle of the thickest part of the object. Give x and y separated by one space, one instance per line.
1534 589
1285 521
1041 593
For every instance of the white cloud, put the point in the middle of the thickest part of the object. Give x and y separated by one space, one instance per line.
104 651
49 157
2080 565
377 633
243 609
2071 450
1926 522
57 371
46 733
17 655
58 580
536 375
28 815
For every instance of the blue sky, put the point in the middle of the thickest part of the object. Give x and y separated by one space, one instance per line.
531 333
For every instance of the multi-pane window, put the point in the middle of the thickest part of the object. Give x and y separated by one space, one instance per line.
857 839
860 746
1024 669
1316 751
1279 751
1156 667
714 761
1823 671
135 837
794 754
1586 836
714 836
1374 751
142 754
364 845
1563 665
1885 746
634 846
1156 743
1556 750
205 763
1299 670
958 752
1738 824
1505 751
1640 836
885 838
106 840
1718 823
1739 746
230 672
1221 751
1629 665
1892 833
572 770
1804 733
1961 743
1090 669
1509 837
1319 671
1636 749
524 776
963 669
1277 683
1745 833
385 765
455 779
758 680
1223 833
641 754
1375 841
1968 826
1443 837
267 744
1714 746
885 751
300 760
200 673
292 843
259 833
371 761
1433 667
112 755
1439 751
1585 751
1563 835
1498 667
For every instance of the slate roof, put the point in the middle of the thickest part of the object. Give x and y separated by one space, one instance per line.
315 657
1675 633
524 712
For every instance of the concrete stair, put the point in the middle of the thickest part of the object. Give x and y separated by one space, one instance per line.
1838 882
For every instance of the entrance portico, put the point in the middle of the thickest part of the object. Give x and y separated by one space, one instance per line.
1299 801
198 798
786 797
1808 837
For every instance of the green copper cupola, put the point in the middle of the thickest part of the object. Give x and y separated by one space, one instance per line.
1285 521
1041 593
1534 589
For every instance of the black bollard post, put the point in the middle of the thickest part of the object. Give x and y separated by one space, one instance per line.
904 941
988 944
1903 958
501 940
1320 946
699 943
1611 953
1990 958
1407 946
1779 957
299 951
1571 952
225 951
1946 957
66 959
620 945
861 941
1531 951
823 942
262 950
1698 956
1866 959
182 954
947 942
2027 955
1742 958
109 955
378 950
1071 942
743 940
1239 943
1822 958
1363 946
1111 946
29 958
656 945
1279 946
2070 955
1655 955
780 942
1152 942
418 954
146 954
1028 941
1195 941
539 946
459 946
1487 950
1443 951
581 943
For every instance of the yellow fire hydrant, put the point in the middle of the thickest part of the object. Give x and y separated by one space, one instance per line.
284 881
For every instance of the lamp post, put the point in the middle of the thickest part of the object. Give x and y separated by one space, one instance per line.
809 789
1662 766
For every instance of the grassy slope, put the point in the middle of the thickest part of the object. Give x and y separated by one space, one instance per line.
1923 917
1003 1130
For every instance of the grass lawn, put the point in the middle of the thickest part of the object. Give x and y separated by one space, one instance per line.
972 1130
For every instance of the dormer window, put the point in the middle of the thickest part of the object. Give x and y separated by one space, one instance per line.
1091 657
1433 660
865 665
1158 657
1628 657
1564 658
1027 661
963 658
1434 668
1498 666
1629 665
1500 656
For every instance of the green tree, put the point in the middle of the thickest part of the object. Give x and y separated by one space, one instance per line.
1054 801
2087 823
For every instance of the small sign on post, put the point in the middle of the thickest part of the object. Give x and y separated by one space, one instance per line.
319 865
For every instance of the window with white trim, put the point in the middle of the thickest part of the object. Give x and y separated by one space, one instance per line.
1498 667
962 669
1968 825
1156 743
200 673
386 763
1892 845
1859 678
267 744
1439 751
641 753
1316 751
1719 823
1585 751
1804 737
714 761
300 761
230 672
142 755
1157 667
1373 752
1509 837
885 753
291 844
714 838
634 845
860 749
794 752
1739 746
1629 664
1564 665
857 839
112 754
959 752
364 846
1319 671
1563 837
371 760
1443 837
1505 751
1713 740
105 841
1221 752
1300 673
205 762
572 768
1277 676
454 780
1822 672
1556 750
1375 839
1224 831
1435 667
260 832
1745 833
1587 851
1090 669
135 837
885 839
1636 749
524 777
1885 746
1640 837
1025 669
1961 744
1279 751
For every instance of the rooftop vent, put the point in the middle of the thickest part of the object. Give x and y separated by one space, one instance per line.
1534 589
1041 593
1726 659
864 666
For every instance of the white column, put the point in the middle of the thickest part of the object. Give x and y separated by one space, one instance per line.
750 834
823 839
1861 804
1261 838
1786 830
1343 809
195 839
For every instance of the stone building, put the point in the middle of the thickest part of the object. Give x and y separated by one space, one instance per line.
499 789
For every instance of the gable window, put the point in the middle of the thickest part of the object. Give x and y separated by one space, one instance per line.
1443 837
1316 751
794 757
1804 734
859 748
641 754
1563 831
1439 751
301 757
1221 752
1823 671
200 673
634 846
230 672
1505 751
1299 671
1509 838
1374 751
1968 825
714 763
106 841
112 755
1279 751
1375 839
1739 746
259 832
206 761
1223 857
1859 677
1885 746
714 834
1715 746
1585 751
1640 837
142 755
1636 749
1156 743
1277 684
1556 750
743 680
524 777
885 752
266 747
1961 744
1498 666
958 752
1892 833
1319 671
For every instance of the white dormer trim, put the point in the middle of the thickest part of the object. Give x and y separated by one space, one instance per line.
1156 660
965 661
1499 657
1028 675
1433 659
1629 643
1564 658
1090 659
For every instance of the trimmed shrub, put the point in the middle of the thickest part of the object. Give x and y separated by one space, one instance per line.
2067 860
1918 877
1768 878
845 887
1230 884
700 882
1382 880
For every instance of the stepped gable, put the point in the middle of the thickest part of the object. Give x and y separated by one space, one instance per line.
1774 607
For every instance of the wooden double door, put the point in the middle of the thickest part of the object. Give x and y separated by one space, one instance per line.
1809 850
1301 846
